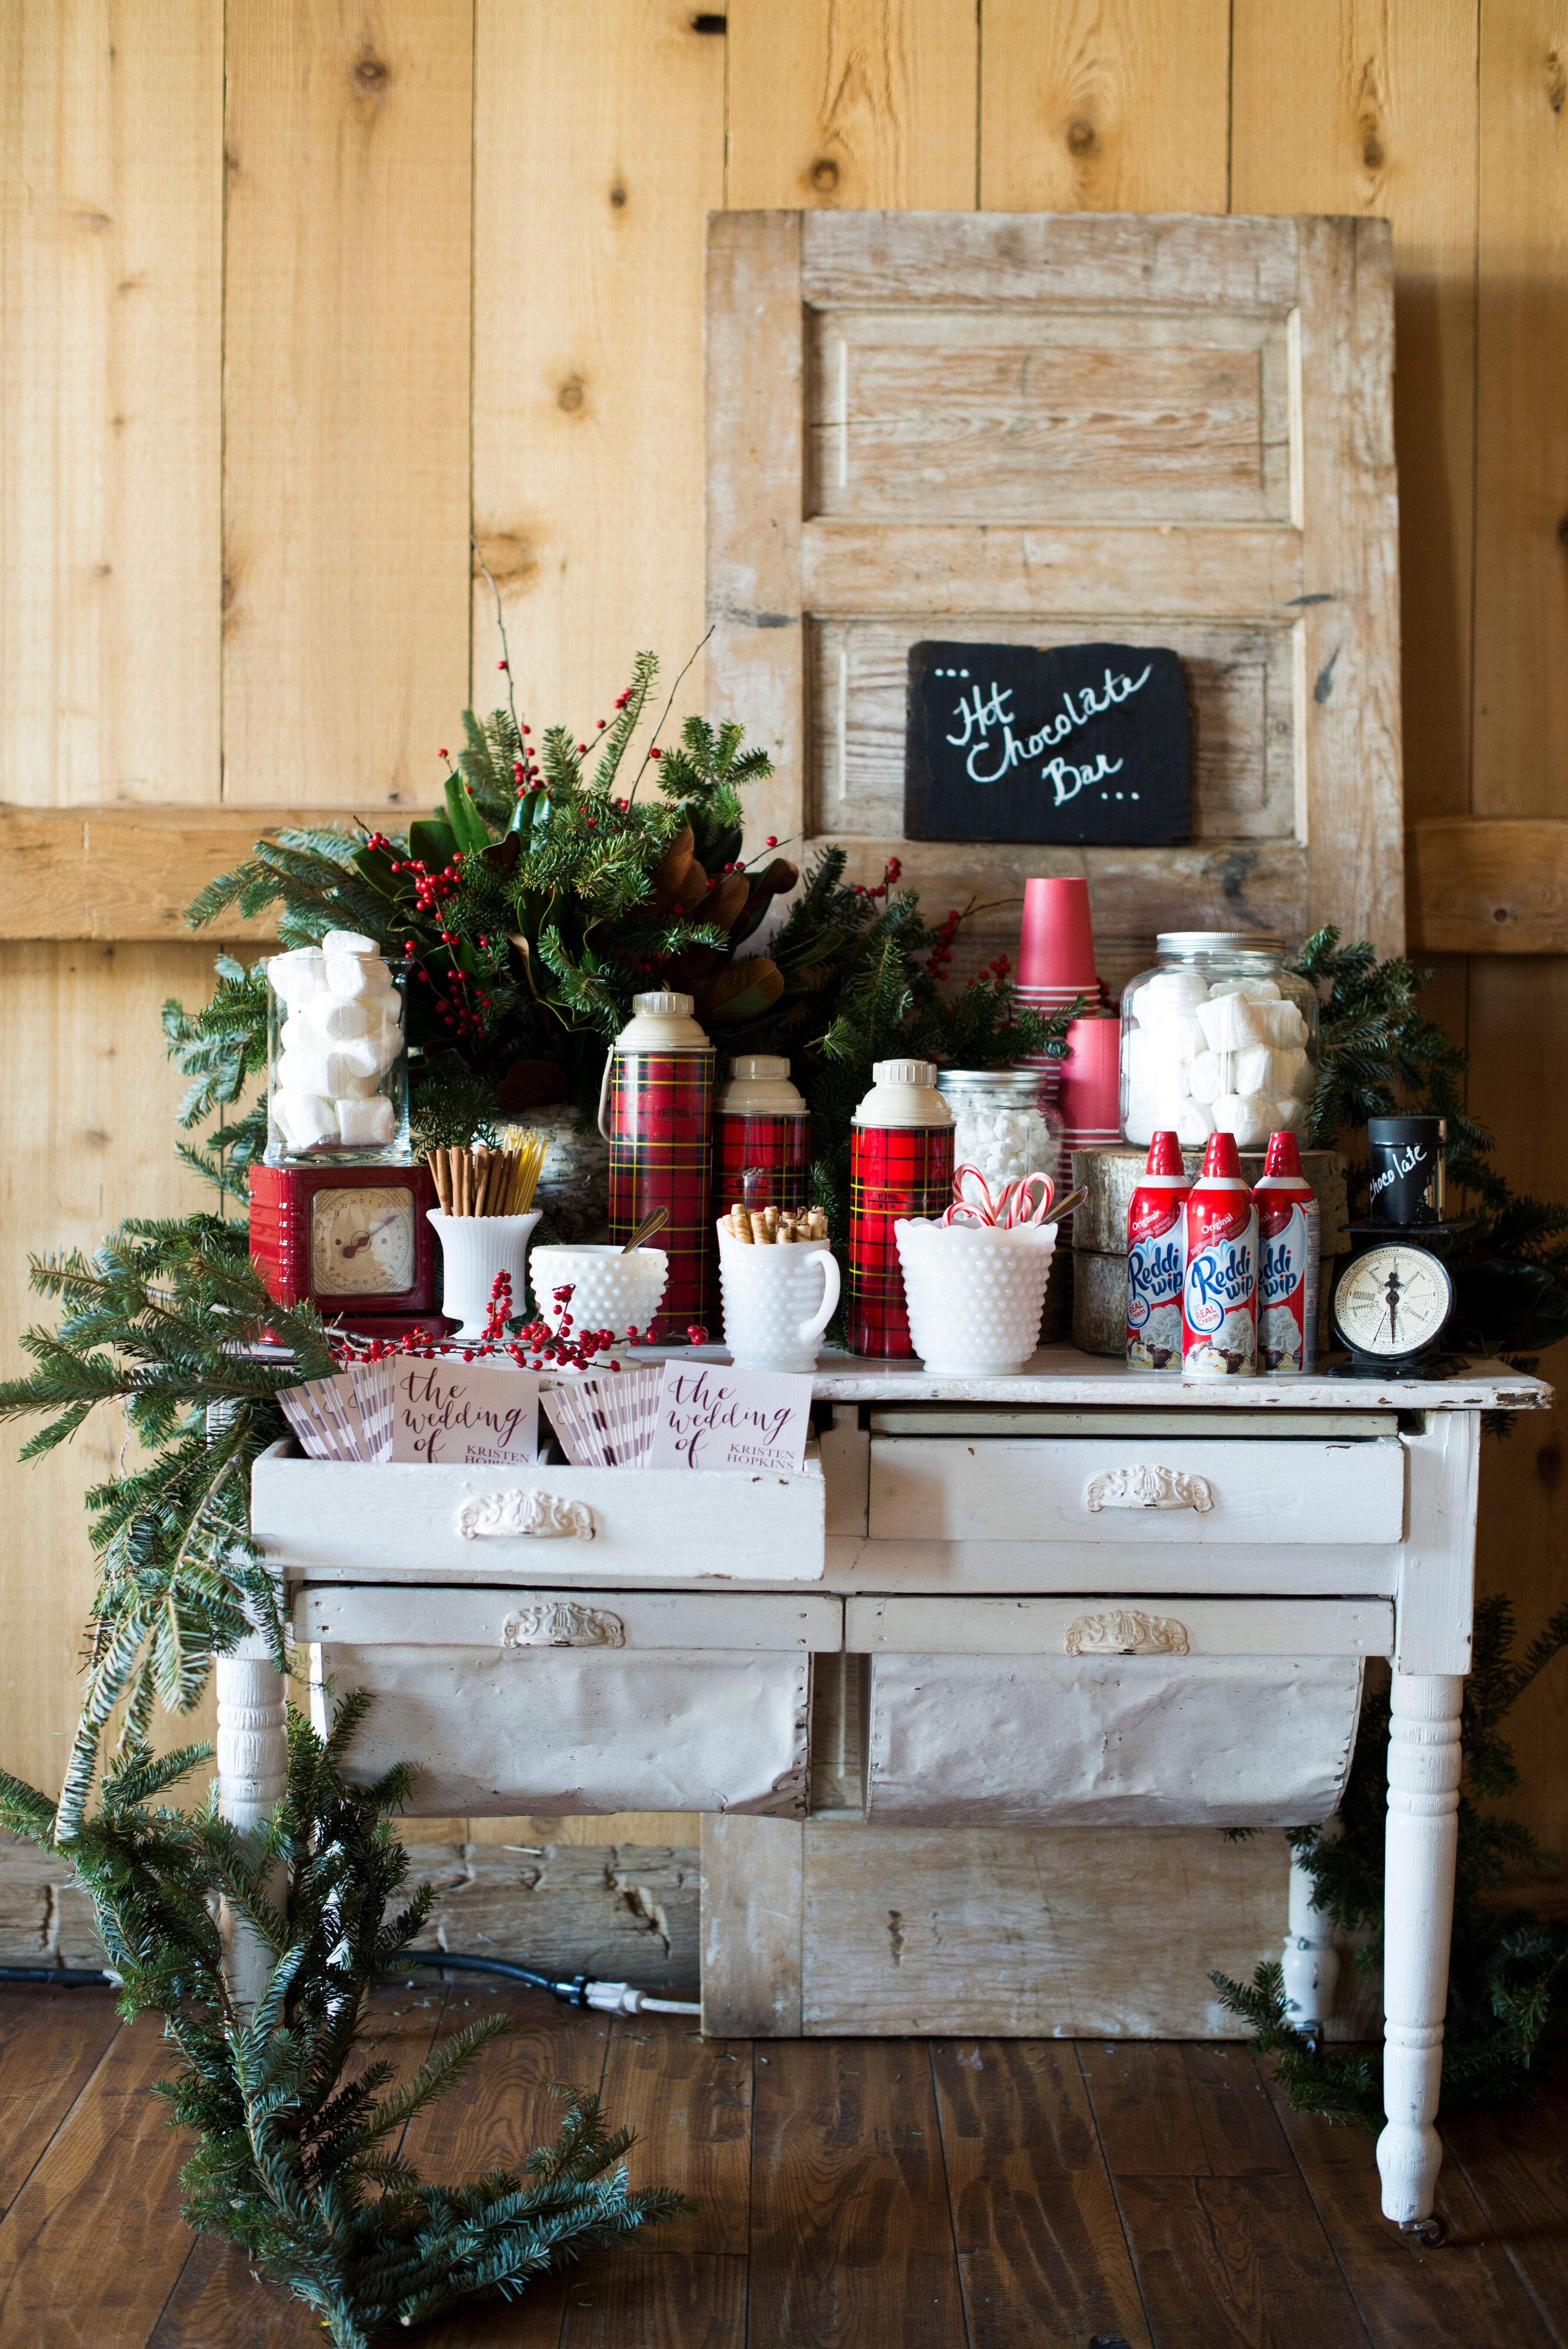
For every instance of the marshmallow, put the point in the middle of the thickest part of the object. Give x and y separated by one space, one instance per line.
1281 1024
1248 1117
1259 990
1209 1076
1193 1124
296 1034
305 1119
1290 1115
1139 1122
1179 987
336 1018
1228 1021
296 976
1261 1070
365 1122
356 974
1303 1078
348 942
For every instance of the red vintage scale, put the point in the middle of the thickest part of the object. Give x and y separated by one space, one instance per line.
354 1241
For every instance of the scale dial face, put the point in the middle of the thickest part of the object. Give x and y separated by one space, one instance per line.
1393 1300
362 1242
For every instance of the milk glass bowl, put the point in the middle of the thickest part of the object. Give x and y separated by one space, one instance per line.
610 1289
975 1294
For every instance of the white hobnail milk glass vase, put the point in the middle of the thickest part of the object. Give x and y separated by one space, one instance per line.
474 1248
778 1302
975 1294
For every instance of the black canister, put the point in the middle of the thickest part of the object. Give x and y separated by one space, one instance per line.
1406 1169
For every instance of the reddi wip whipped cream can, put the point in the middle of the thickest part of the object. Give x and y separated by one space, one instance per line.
1287 1270
1155 1259
1220 1277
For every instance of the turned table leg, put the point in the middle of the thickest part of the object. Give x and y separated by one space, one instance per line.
1423 1829
253 1767
1310 1963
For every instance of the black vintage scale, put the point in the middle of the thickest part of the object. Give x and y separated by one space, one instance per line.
1396 1297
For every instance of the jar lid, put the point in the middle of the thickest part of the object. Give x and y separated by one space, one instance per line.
902 1072
988 1081
758 1068
1218 942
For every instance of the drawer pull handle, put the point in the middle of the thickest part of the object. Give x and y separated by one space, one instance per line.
542 1516
1149 1488
563 1623
1125 1631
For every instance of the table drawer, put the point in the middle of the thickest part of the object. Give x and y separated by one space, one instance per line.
575 1701
1113 1489
538 1524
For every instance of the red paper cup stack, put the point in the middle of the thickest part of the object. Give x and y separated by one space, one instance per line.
1056 965
1090 1097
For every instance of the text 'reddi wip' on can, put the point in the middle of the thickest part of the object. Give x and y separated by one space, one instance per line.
1220 1276
760 1119
1156 1258
901 1165
656 1111
1287 1268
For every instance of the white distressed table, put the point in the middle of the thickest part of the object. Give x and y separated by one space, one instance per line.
1084 1593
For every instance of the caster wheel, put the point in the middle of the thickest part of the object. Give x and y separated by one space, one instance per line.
1430 2233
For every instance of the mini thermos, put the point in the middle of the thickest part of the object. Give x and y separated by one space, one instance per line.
760 1121
1155 1261
656 1111
1287 1270
901 1165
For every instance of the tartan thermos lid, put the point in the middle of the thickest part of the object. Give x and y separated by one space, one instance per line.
759 1086
662 1022
904 1093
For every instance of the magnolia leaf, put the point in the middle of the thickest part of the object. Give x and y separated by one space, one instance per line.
741 991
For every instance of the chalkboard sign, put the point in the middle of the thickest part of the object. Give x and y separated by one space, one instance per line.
1079 744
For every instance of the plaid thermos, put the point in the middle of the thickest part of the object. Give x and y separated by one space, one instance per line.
901 1165
656 1112
760 1123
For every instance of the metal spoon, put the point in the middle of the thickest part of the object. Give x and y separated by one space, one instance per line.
654 1221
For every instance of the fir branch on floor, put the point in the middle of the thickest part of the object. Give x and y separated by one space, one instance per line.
1507 1972
298 2158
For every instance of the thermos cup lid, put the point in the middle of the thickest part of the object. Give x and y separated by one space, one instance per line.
759 1085
662 1023
904 1093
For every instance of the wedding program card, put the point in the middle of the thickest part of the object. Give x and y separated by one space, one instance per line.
451 1414
714 1417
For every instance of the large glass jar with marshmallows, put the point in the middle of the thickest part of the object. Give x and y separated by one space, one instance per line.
1000 1124
1218 1037
337 1070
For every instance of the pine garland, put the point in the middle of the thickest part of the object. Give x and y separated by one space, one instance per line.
298 2160
1508 1973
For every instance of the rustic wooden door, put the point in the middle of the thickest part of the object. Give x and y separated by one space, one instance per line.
1046 427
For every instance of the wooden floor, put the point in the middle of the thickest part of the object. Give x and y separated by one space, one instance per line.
866 2194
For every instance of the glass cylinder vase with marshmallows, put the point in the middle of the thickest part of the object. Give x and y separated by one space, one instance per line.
337 1066
1219 1037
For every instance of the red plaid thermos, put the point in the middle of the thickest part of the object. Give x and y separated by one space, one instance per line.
656 1111
901 1165
760 1121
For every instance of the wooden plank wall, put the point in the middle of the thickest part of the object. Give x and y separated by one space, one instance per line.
293 296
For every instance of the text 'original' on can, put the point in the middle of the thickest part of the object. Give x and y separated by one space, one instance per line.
1156 1258
1220 1276
1288 1259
